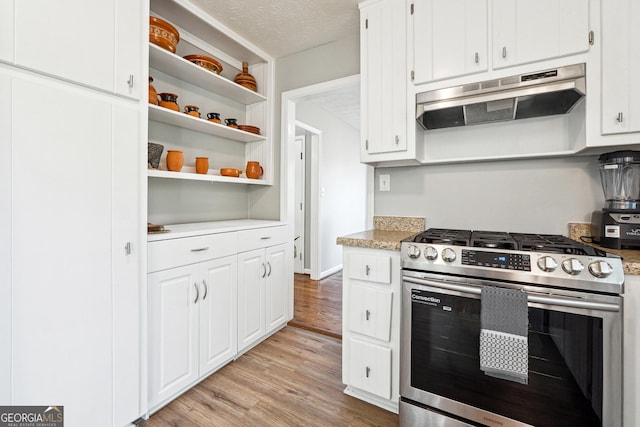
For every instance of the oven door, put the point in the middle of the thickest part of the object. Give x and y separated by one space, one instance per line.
575 356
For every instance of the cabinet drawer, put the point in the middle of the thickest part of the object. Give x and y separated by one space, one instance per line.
171 253
370 368
374 268
370 311
249 240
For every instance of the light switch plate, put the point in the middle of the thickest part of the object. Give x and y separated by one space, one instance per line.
385 182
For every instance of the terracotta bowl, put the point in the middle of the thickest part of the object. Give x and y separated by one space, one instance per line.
163 34
230 172
248 128
206 62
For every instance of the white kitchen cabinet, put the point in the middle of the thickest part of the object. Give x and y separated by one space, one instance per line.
450 38
383 80
264 264
201 34
526 31
620 66
77 40
192 317
73 200
371 325
370 368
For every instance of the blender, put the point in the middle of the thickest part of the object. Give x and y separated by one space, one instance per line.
617 226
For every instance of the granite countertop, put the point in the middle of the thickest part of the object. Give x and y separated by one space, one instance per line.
630 257
387 233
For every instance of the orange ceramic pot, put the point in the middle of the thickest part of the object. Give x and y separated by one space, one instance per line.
245 79
213 117
153 94
254 170
232 123
175 160
169 100
202 165
192 110
163 34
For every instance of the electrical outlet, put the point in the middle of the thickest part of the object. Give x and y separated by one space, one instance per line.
385 182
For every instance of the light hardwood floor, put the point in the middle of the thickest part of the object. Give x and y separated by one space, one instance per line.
317 304
291 379
294 378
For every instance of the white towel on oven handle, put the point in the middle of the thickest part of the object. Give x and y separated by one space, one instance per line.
504 355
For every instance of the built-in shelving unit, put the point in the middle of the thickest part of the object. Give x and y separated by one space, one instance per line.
213 175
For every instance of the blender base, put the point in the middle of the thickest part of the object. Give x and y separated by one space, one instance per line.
616 229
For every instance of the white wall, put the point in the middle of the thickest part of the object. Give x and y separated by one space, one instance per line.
343 185
321 64
538 196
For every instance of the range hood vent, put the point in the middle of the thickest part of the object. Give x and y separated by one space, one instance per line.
544 93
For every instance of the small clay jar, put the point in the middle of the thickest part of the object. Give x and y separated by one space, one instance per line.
175 160
254 170
202 165
153 94
192 110
213 117
169 100
232 123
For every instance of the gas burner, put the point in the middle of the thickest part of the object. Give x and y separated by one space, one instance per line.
552 243
492 239
444 236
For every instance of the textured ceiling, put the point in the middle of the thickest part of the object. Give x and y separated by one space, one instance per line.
283 27
344 103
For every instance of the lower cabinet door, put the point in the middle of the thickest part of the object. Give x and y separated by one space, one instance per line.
370 368
276 286
252 271
370 311
218 323
173 331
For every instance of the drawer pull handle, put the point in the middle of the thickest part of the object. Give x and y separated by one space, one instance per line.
269 273
206 290
619 118
367 371
264 270
367 314
367 270
265 238
206 248
197 292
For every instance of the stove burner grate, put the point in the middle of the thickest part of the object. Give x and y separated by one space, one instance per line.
444 236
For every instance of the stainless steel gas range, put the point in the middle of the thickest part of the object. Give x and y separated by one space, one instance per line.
572 318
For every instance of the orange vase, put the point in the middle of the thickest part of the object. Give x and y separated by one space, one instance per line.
153 94
245 79
175 160
202 165
254 170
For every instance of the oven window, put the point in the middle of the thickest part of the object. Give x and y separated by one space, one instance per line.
565 362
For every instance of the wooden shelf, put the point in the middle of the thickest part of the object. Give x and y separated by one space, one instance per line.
175 118
178 67
212 176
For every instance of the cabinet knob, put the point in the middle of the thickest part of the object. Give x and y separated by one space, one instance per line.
197 292
619 117
367 270
504 51
367 371
367 314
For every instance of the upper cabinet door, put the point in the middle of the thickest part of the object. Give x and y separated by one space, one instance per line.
450 38
57 38
383 77
526 31
6 30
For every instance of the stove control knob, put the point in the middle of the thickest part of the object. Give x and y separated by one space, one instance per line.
413 251
448 255
600 269
547 263
431 253
572 266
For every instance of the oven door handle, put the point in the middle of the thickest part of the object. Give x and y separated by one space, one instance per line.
565 302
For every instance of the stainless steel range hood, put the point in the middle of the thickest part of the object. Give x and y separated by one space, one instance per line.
543 93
